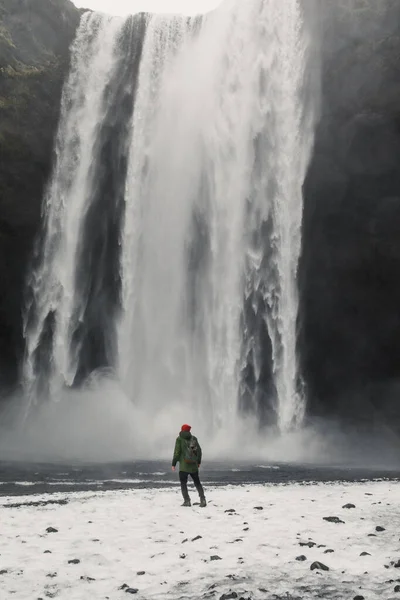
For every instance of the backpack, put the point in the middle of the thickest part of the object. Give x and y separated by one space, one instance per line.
190 450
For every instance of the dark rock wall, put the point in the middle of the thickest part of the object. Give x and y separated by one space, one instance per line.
350 267
35 36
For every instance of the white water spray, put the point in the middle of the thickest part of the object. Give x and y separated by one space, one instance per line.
199 186
284 133
53 282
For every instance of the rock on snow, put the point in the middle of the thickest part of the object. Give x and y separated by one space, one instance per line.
136 537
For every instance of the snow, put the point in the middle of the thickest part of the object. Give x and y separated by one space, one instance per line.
115 535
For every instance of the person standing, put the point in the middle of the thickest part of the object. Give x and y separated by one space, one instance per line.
188 453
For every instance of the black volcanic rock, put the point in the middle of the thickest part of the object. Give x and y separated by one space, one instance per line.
51 530
318 566
350 264
333 519
35 36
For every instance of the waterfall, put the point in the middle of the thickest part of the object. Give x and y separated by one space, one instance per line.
180 274
75 255
282 134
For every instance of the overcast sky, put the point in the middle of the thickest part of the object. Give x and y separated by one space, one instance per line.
125 7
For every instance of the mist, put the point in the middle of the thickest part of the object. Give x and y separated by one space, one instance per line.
100 424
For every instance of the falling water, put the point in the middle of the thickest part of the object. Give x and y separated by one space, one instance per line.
204 230
220 148
63 281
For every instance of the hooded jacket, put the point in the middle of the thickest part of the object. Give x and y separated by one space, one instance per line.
183 438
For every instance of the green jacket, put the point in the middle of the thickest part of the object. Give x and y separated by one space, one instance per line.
178 457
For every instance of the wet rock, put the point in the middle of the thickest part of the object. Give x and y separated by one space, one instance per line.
74 561
365 554
308 544
301 558
318 566
51 530
215 557
40 503
349 505
379 528
333 520
198 537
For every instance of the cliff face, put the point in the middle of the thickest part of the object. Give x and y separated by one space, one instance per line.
350 268
34 52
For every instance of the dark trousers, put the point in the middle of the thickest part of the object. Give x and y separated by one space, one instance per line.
183 477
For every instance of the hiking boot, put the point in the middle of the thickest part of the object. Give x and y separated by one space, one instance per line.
203 502
187 503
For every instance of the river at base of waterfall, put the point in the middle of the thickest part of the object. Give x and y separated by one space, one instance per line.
254 542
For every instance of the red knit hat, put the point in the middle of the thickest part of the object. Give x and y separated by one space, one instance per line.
186 428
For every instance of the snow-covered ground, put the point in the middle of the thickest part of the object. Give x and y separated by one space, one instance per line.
146 540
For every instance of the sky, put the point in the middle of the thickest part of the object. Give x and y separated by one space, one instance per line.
125 7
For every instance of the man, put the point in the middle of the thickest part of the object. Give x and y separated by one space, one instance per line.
188 453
